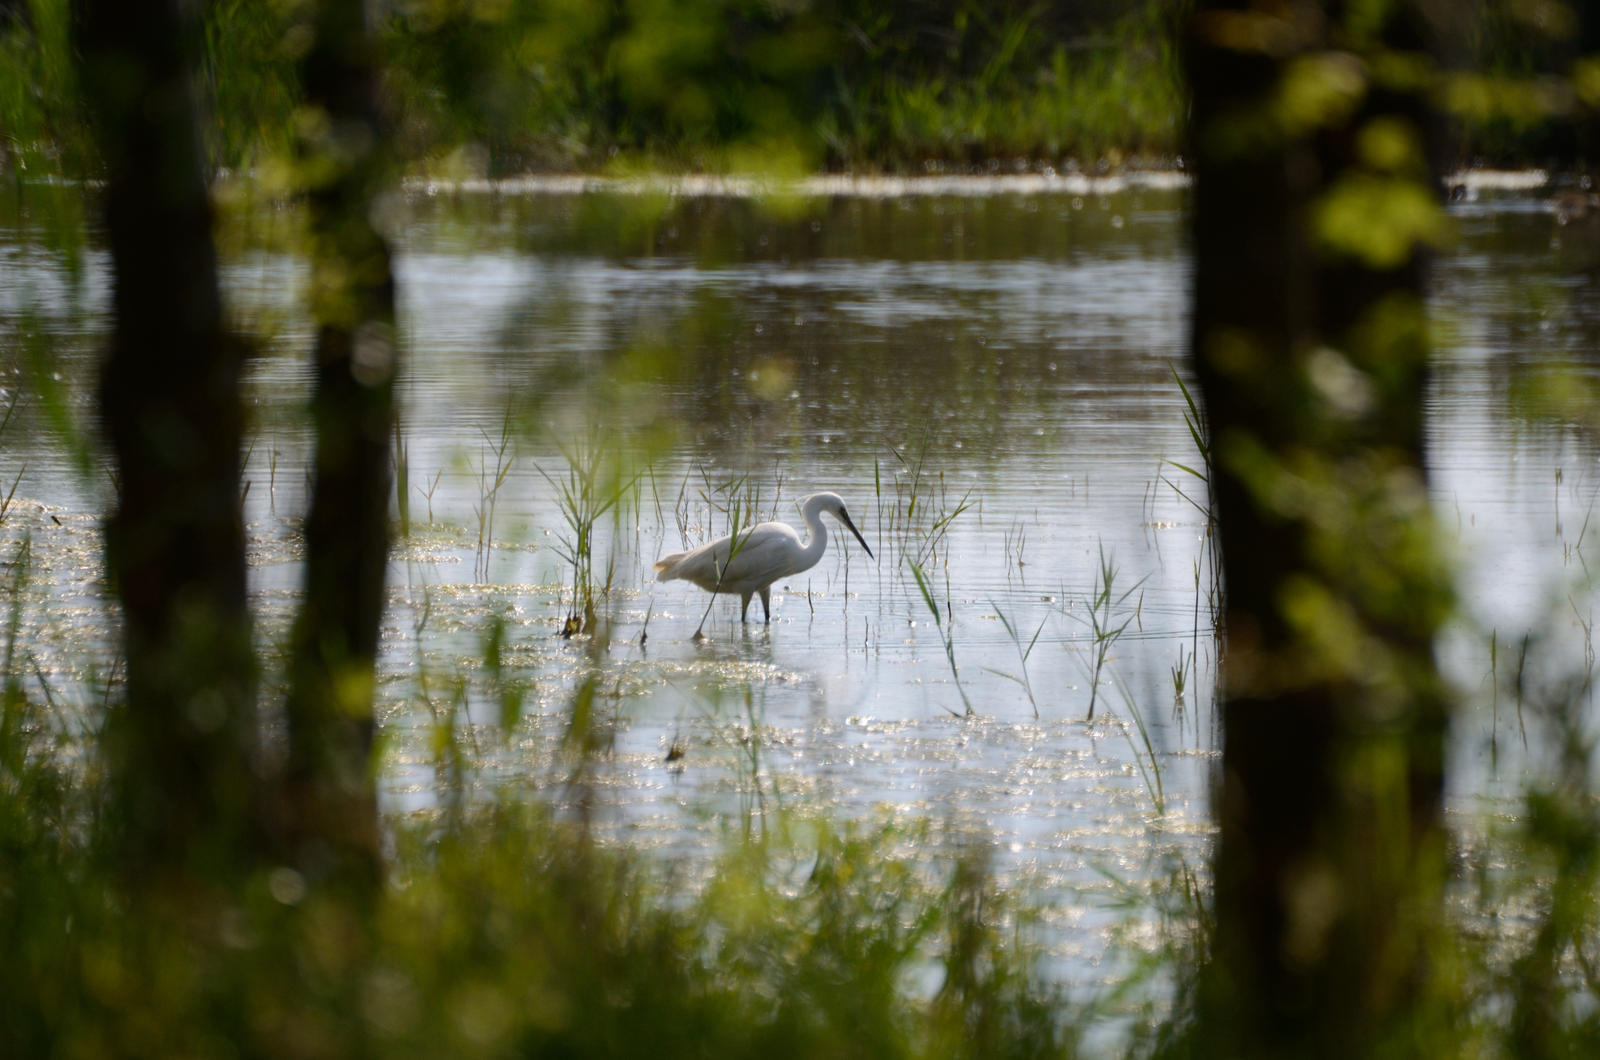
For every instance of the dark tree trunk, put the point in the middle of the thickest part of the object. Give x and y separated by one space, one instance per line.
182 752
332 804
1314 196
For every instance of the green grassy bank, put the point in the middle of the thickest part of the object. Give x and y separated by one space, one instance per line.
516 86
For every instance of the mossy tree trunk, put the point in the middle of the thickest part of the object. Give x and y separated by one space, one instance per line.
332 822
182 750
1315 203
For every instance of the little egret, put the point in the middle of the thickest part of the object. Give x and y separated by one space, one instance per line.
759 556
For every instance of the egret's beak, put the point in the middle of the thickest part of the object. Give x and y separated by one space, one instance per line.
844 517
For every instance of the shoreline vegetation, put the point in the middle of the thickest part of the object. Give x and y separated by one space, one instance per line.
832 88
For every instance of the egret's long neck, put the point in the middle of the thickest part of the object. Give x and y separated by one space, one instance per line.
816 542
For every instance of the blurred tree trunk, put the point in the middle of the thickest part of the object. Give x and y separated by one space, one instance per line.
332 803
1314 204
183 751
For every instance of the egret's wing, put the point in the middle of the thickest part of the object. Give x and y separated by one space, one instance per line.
765 552
758 556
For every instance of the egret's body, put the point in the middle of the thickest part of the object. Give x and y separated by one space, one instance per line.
749 562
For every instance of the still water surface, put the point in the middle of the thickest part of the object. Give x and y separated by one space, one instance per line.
988 380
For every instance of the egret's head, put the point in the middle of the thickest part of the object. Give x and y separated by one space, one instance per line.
833 504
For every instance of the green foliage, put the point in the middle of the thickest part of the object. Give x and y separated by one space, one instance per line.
972 83
509 86
251 48
507 933
247 79
506 86
41 127
1511 93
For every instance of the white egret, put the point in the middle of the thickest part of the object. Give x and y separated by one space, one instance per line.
749 561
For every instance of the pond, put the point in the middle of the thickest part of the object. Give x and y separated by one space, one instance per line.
991 377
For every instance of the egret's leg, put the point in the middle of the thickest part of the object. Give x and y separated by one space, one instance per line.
744 609
766 603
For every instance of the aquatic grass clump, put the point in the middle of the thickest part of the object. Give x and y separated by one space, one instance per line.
920 514
592 486
427 494
489 485
1209 586
1108 616
1041 84
1180 672
1023 652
